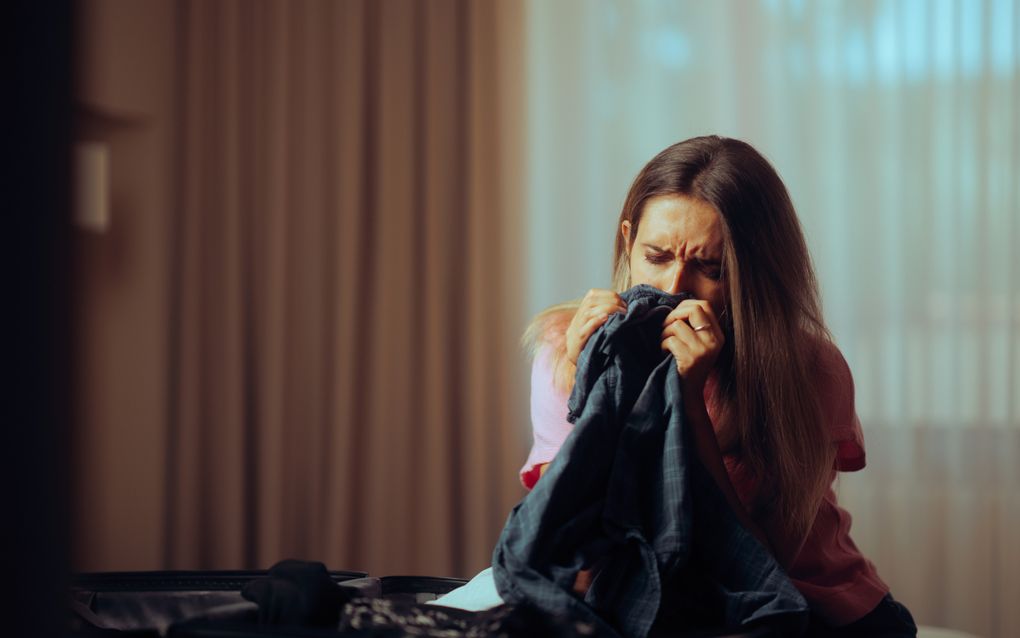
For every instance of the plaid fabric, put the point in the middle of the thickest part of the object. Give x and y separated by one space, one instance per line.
626 490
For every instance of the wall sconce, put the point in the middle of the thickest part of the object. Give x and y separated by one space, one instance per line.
91 186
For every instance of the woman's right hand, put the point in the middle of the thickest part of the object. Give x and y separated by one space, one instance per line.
596 306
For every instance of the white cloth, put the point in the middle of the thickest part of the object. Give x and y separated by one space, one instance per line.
478 594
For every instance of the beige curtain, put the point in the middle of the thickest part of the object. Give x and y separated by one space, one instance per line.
345 379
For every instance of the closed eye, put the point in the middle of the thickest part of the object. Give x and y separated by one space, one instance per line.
711 269
658 258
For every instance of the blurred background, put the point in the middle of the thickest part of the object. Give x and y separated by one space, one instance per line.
308 235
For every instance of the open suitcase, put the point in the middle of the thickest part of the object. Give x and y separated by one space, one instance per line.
208 604
149 604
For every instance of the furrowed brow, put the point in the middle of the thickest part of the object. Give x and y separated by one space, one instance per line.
654 247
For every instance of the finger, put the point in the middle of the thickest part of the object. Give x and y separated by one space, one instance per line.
590 326
705 325
582 318
596 295
582 335
680 313
595 298
698 314
587 320
701 304
699 320
593 324
698 341
618 300
670 344
584 322
591 313
588 311
612 298
611 307
685 335
688 306
680 352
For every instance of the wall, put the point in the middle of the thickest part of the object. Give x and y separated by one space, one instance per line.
124 97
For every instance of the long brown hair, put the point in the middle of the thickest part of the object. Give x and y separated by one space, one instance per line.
772 320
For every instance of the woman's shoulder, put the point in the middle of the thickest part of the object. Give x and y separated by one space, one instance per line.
549 329
547 341
834 384
828 360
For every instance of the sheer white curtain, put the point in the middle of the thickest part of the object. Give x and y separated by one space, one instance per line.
896 127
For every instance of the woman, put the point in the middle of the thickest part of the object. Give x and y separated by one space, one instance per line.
766 393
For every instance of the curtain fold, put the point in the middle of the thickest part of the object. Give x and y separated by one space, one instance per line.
345 376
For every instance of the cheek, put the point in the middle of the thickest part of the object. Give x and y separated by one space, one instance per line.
637 273
717 298
642 273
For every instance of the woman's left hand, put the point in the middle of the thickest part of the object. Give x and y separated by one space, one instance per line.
692 334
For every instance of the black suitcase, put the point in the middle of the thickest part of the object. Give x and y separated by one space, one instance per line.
208 604
146 604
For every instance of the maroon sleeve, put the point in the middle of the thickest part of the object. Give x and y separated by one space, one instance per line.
836 390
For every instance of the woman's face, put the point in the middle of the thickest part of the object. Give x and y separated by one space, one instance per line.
679 248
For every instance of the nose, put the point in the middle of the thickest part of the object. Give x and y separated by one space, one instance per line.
678 279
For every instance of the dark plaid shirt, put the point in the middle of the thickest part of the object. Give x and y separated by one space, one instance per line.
627 490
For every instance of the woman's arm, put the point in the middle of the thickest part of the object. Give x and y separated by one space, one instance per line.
693 335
